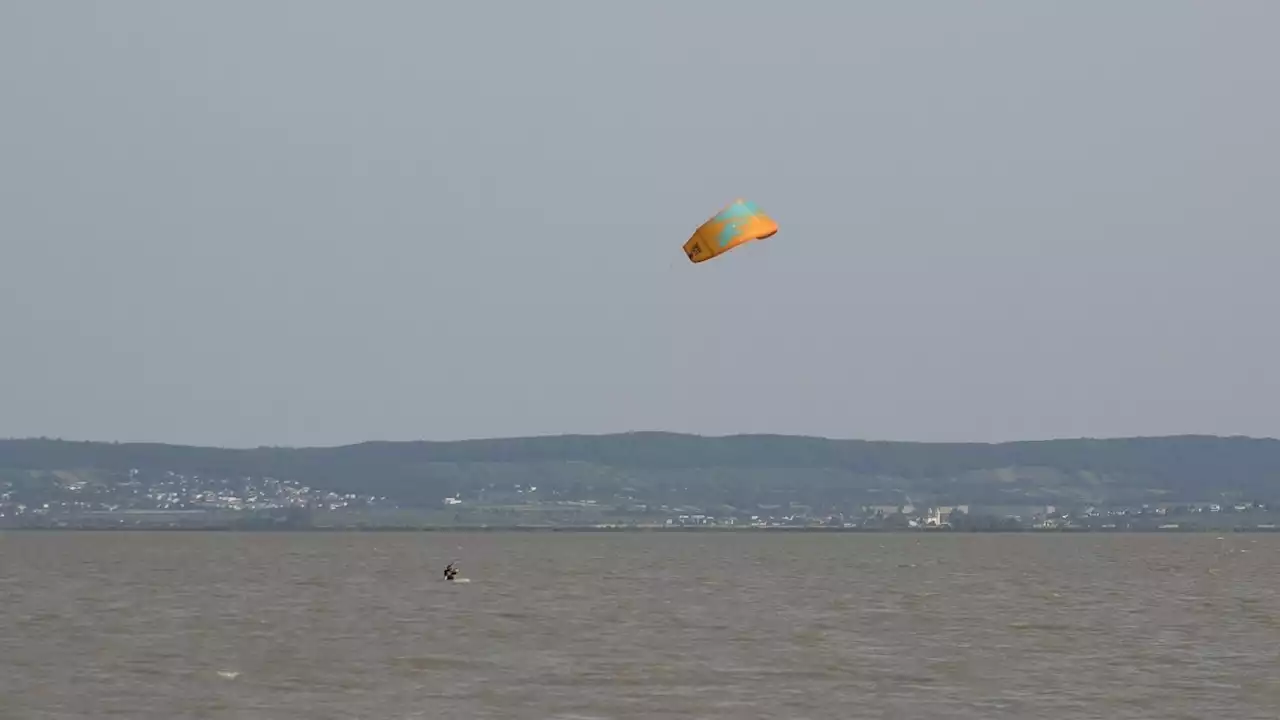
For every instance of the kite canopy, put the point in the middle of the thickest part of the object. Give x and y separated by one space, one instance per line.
738 224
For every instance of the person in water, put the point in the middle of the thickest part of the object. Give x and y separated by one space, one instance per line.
450 571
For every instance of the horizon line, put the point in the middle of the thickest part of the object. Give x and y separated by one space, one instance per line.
604 435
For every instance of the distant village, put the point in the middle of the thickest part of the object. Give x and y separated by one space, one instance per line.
1046 517
177 500
172 498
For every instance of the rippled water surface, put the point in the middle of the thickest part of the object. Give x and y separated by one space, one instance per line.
743 625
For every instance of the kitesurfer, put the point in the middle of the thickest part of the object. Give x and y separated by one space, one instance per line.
451 571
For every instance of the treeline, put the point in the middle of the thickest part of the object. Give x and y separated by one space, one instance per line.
736 470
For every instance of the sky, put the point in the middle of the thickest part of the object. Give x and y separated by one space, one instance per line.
312 222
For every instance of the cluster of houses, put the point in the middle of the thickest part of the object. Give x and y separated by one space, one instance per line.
800 516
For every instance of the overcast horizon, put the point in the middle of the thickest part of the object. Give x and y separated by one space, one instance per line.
318 223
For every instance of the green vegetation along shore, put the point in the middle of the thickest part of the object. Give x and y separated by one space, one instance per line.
647 480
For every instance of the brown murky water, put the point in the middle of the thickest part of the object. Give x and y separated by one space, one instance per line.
343 626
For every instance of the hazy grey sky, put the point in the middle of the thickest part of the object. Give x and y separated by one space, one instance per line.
321 222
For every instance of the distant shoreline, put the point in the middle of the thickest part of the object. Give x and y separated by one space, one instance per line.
632 482
640 530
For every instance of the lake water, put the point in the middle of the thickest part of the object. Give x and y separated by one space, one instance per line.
742 625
